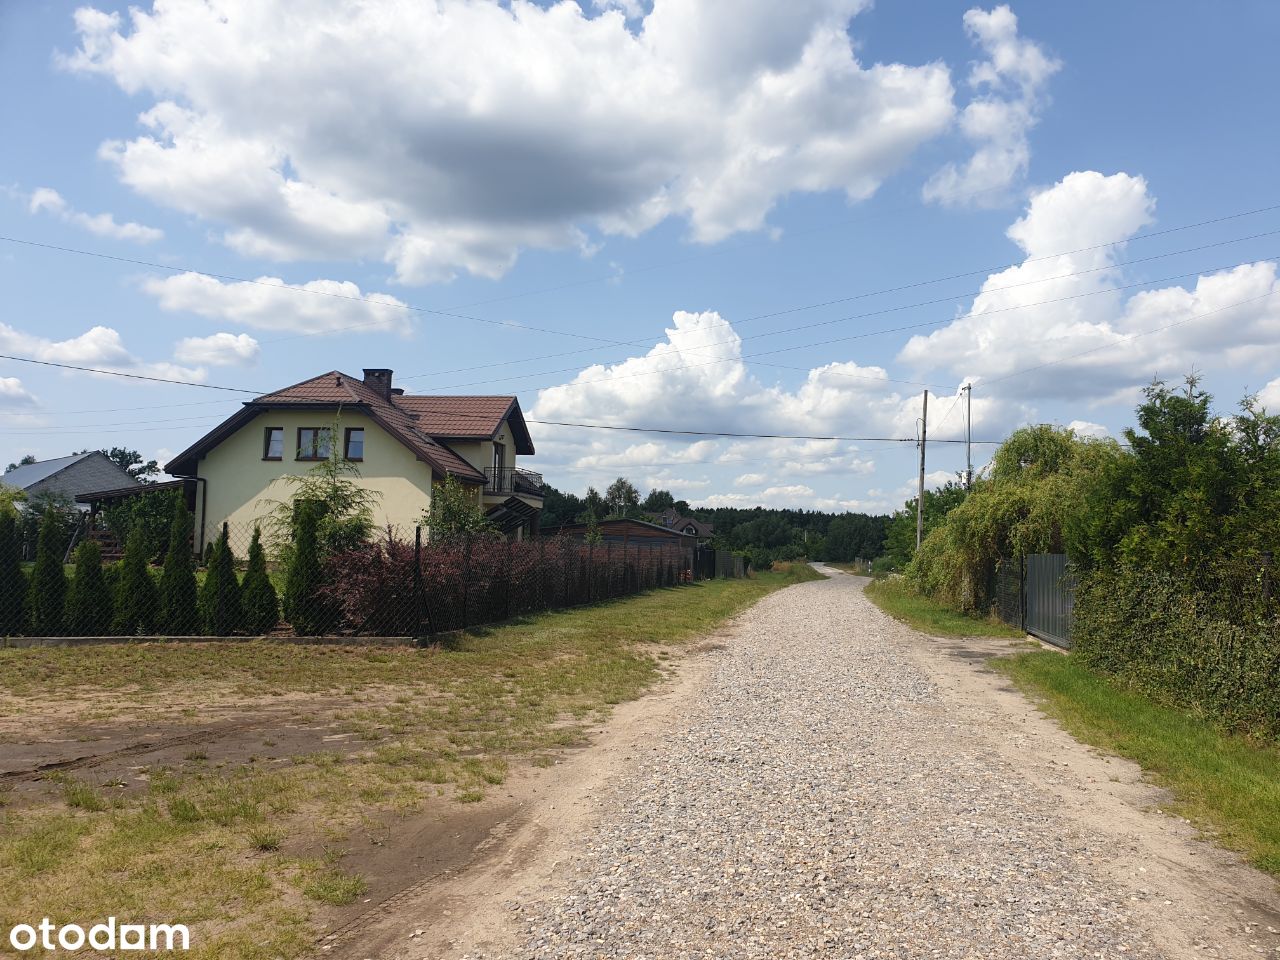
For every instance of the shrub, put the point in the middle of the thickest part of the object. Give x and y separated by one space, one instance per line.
48 593
258 597
307 610
13 582
220 611
89 607
136 597
178 614
1212 647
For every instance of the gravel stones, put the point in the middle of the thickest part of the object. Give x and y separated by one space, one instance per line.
818 798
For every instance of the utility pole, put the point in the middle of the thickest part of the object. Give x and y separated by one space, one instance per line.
924 431
968 436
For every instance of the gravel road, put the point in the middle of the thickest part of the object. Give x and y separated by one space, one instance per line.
818 798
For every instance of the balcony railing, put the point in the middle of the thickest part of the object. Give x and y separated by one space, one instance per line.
513 480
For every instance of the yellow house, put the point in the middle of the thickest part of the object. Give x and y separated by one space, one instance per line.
402 445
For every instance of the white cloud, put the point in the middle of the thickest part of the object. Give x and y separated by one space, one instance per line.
750 480
219 350
99 347
1097 341
1085 428
447 137
13 395
1269 396
268 303
1010 95
48 200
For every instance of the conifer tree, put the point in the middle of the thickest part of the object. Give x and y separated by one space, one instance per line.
89 607
302 602
13 582
48 592
137 600
178 614
257 593
220 613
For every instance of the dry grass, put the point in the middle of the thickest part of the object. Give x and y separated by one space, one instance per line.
230 848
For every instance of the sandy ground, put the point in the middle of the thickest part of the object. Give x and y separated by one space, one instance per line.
1185 897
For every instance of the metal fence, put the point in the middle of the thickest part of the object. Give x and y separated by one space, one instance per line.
1036 593
388 585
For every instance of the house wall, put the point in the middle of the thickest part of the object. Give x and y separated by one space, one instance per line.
480 455
239 482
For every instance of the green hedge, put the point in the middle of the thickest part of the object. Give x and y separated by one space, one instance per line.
1212 648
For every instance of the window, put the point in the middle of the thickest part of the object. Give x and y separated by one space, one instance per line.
273 443
353 445
314 443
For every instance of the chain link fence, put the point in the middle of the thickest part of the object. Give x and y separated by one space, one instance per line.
75 578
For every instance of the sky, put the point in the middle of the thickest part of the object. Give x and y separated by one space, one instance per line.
718 216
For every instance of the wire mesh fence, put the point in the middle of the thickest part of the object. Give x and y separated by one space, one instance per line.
76 580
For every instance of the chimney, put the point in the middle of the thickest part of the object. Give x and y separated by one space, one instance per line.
379 381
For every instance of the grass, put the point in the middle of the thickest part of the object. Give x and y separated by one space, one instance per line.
228 846
902 601
1227 785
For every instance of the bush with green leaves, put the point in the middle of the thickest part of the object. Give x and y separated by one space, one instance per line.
13 582
137 600
258 597
47 596
179 616
89 606
220 611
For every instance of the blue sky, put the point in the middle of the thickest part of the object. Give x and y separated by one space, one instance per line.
656 187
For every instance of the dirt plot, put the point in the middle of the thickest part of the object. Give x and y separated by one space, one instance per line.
272 796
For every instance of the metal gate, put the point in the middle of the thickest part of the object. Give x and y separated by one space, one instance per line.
1049 595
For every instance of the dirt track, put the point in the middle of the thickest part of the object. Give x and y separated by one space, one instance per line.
832 784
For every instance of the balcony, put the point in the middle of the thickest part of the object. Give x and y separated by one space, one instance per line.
513 481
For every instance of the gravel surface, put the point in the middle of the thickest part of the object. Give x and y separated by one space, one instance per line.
819 799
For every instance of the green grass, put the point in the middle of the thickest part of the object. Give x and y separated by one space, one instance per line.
900 600
1225 784
221 842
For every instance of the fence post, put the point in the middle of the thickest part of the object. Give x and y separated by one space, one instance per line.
542 574
421 613
608 569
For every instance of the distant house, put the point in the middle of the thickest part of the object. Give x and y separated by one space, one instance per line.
688 525
625 530
404 446
70 478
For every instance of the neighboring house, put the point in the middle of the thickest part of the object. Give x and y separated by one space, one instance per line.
402 444
70 478
694 528
625 530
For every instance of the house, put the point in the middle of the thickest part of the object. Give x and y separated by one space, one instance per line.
69 478
626 530
695 528
403 445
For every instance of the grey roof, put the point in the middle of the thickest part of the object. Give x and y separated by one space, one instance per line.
69 476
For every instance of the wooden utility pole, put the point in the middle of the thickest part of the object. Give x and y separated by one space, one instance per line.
968 436
924 432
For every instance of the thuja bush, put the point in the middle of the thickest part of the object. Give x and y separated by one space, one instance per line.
220 610
179 616
1212 647
89 606
306 606
13 582
258 600
47 598
137 600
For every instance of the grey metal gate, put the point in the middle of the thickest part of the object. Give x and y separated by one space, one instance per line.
1050 593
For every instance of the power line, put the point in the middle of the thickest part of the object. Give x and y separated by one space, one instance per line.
120 373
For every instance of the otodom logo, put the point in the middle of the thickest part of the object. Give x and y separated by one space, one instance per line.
108 935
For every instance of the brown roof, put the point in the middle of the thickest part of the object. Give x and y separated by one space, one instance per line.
468 418
406 423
